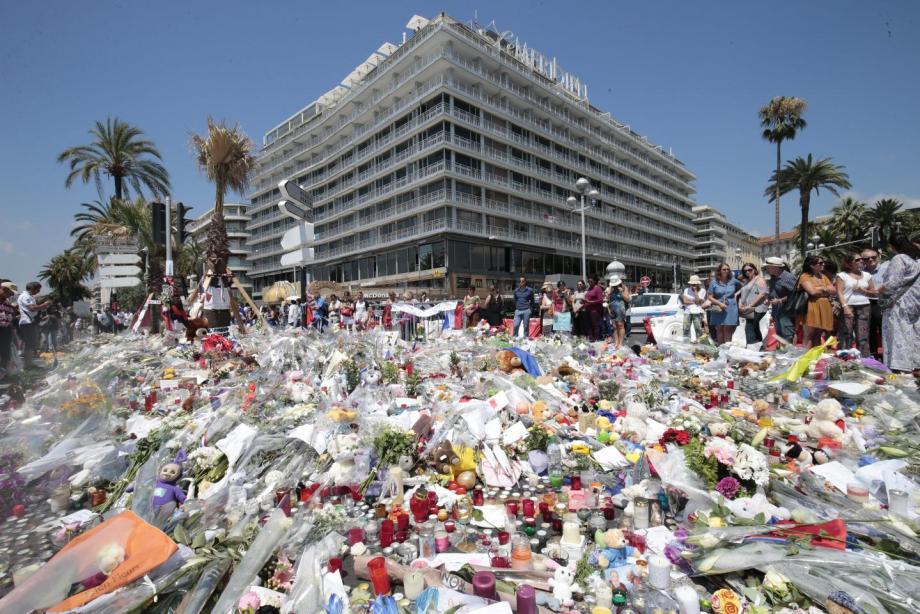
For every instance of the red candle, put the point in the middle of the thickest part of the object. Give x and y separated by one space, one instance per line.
503 537
511 506
608 512
449 526
386 533
576 482
432 498
380 578
478 498
355 535
528 505
335 564
402 536
557 525
402 522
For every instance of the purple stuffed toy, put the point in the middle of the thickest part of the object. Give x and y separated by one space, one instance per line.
166 490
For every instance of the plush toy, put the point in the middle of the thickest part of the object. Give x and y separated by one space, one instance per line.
825 423
298 390
342 448
443 458
341 415
236 491
563 584
615 549
633 425
166 490
372 376
508 361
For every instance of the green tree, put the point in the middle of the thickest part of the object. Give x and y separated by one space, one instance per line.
65 274
886 214
224 154
828 236
848 219
805 175
118 151
781 119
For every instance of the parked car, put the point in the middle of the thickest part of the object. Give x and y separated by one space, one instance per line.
651 305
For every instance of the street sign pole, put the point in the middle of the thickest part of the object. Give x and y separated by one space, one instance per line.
169 259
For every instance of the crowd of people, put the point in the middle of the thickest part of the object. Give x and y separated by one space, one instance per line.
867 303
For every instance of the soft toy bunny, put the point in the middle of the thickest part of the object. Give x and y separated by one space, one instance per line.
563 584
633 425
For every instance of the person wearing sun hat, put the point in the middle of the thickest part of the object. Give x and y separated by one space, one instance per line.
779 287
693 297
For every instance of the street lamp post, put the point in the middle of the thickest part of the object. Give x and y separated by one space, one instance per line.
584 188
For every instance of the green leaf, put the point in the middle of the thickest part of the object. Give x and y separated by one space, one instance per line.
477 514
181 535
198 541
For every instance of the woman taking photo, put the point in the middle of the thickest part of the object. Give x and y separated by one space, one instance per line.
854 287
619 298
752 302
899 298
724 315
819 319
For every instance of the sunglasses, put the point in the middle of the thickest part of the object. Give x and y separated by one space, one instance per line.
748 270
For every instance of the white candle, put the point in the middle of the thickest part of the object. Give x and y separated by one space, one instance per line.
413 583
571 533
659 572
688 600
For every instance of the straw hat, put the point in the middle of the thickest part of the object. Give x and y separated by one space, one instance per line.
773 261
546 285
695 280
10 286
615 281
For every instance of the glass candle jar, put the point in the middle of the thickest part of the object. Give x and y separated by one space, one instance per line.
520 552
640 514
413 584
441 540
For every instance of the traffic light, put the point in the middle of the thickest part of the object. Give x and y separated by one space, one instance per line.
181 234
158 211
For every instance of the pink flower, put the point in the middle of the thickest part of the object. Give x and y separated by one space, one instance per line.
249 601
723 451
728 487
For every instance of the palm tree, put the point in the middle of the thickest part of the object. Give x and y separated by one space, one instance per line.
118 151
828 236
65 274
97 212
848 219
886 214
805 175
781 119
224 154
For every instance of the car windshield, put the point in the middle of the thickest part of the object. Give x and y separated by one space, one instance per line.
649 300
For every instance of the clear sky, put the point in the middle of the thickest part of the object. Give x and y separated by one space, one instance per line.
689 75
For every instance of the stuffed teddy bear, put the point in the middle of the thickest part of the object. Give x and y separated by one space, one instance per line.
563 584
342 449
372 376
508 361
297 389
615 549
443 458
633 425
826 422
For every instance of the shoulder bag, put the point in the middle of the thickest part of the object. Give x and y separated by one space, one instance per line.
797 303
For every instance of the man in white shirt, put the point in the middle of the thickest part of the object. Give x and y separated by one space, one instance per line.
693 297
29 309
876 269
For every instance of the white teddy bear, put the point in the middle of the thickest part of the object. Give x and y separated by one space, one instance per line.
824 422
633 425
342 449
563 584
298 390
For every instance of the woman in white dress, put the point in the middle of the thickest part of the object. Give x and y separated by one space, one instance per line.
361 312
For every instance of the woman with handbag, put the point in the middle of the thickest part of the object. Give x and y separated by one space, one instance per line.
724 314
752 302
818 319
854 287
899 299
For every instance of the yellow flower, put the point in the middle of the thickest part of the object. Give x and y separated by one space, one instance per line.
580 448
716 522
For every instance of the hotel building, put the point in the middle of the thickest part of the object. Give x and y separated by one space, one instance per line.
446 161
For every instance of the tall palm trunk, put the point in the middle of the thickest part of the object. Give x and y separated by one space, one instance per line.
118 187
804 203
778 164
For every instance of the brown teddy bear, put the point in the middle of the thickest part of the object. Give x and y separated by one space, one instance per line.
443 458
508 361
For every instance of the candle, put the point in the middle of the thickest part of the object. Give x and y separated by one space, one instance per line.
355 535
520 552
528 506
512 507
688 600
898 502
484 585
413 584
441 541
604 595
659 572
503 537
526 600
576 482
380 579
640 514
571 533
556 479
335 564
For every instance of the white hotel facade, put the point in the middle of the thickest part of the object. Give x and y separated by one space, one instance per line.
447 160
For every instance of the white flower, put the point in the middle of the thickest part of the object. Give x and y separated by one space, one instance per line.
204 458
719 429
751 464
775 581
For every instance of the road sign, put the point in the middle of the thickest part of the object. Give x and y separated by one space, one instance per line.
645 280
105 259
294 210
126 270
119 282
299 236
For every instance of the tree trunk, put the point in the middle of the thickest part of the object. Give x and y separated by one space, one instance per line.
804 202
778 162
118 188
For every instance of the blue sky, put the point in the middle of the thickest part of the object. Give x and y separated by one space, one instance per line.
689 75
